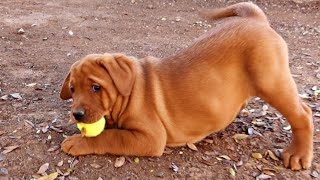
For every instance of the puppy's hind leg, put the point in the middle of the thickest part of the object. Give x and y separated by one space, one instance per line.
278 88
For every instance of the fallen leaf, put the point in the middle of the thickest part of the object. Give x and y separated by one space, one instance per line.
4 97
68 172
274 157
225 157
51 176
56 129
31 84
54 148
210 141
232 172
263 176
100 178
16 95
29 123
256 155
192 146
9 149
59 171
167 151
239 136
268 171
119 162
43 168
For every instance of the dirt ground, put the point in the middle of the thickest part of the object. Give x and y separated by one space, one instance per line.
40 39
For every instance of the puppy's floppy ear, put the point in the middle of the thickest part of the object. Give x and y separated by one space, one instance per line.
65 91
122 71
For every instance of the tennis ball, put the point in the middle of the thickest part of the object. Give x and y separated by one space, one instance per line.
92 129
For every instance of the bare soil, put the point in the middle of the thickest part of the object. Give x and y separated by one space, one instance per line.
40 39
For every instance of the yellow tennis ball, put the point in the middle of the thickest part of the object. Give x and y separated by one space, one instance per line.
92 129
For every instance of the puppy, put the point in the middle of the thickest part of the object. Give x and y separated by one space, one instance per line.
185 97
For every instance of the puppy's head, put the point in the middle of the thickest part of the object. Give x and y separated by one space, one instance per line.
95 82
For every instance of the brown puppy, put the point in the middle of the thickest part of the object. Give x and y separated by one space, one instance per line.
182 99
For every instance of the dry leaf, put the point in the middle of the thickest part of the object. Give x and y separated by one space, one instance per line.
59 171
167 151
68 172
263 176
274 157
268 172
256 155
28 123
54 148
43 168
51 176
210 141
9 149
119 162
192 146
232 172
225 157
31 84
239 136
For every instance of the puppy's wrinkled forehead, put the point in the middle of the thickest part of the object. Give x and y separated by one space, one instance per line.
88 68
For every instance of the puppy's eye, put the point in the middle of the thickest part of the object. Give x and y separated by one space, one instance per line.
96 88
72 89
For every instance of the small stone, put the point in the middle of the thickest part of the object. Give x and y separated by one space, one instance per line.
70 33
315 174
174 167
159 174
96 166
3 172
150 6
163 19
21 31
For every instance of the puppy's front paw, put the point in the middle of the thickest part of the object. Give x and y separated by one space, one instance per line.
76 145
297 157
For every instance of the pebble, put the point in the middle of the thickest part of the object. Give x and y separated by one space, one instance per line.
159 174
21 31
3 172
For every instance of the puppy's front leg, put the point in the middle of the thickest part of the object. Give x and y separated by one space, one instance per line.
117 141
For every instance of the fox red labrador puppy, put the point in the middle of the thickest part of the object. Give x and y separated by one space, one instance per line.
183 98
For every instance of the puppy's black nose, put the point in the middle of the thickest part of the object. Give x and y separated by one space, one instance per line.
78 114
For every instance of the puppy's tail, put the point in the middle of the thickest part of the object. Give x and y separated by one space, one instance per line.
243 9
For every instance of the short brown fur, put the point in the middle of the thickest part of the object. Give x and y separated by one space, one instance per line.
183 98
